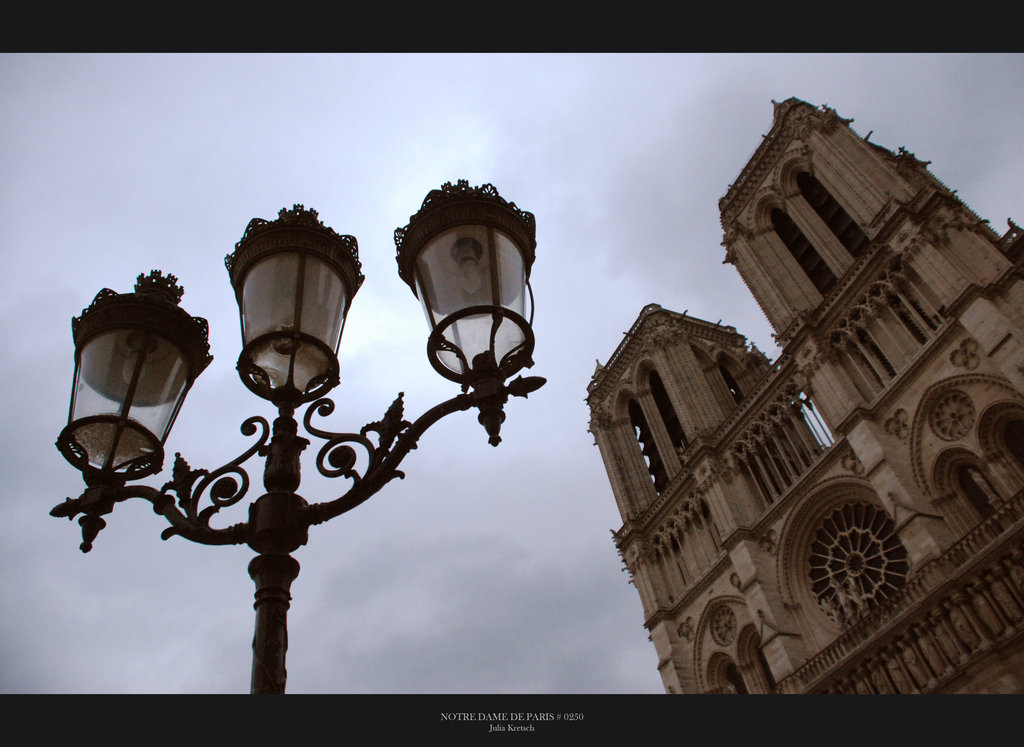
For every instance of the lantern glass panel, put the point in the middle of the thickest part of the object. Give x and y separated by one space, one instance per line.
269 296
285 312
106 369
128 387
163 380
454 272
511 275
324 302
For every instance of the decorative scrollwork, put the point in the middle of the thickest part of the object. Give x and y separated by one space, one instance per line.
388 428
337 459
438 344
225 486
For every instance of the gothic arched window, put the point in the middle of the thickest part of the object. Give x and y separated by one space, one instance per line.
803 252
975 487
645 437
765 670
730 382
667 412
752 662
836 218
734 678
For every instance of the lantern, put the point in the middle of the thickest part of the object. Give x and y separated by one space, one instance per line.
136 356
467 256
294 281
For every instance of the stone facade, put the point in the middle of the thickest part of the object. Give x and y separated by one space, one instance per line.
850 517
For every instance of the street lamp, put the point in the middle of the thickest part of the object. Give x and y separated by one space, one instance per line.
466 254
294 280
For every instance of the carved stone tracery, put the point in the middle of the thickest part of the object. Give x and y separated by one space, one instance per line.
723 625
952 417
856 561
966 355
898 425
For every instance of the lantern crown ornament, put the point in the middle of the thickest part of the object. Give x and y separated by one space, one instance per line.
459 203
294 280
136 356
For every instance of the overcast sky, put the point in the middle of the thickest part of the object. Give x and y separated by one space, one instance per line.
487 570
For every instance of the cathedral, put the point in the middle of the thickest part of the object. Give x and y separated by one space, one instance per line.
848 518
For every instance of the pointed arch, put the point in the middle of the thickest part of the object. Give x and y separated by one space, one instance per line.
752 662
1001 442
988 403
723 676
726 367
964 493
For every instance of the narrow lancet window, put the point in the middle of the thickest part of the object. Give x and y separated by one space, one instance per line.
803 252
1015 440
645 437
836 218
667 412
730 382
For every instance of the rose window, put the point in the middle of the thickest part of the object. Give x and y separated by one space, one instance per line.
856 561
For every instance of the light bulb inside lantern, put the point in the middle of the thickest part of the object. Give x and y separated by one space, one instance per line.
467 253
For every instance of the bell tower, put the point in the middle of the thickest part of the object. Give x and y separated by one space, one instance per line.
671 383
849 517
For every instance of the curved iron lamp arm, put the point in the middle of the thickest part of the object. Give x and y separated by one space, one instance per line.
384 459
99 500
106 489
228 484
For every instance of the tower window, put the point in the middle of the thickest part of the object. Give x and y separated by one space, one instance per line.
734 388
836 218
803 252
650 450
667 412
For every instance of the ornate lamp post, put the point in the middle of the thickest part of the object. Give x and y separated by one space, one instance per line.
466 254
